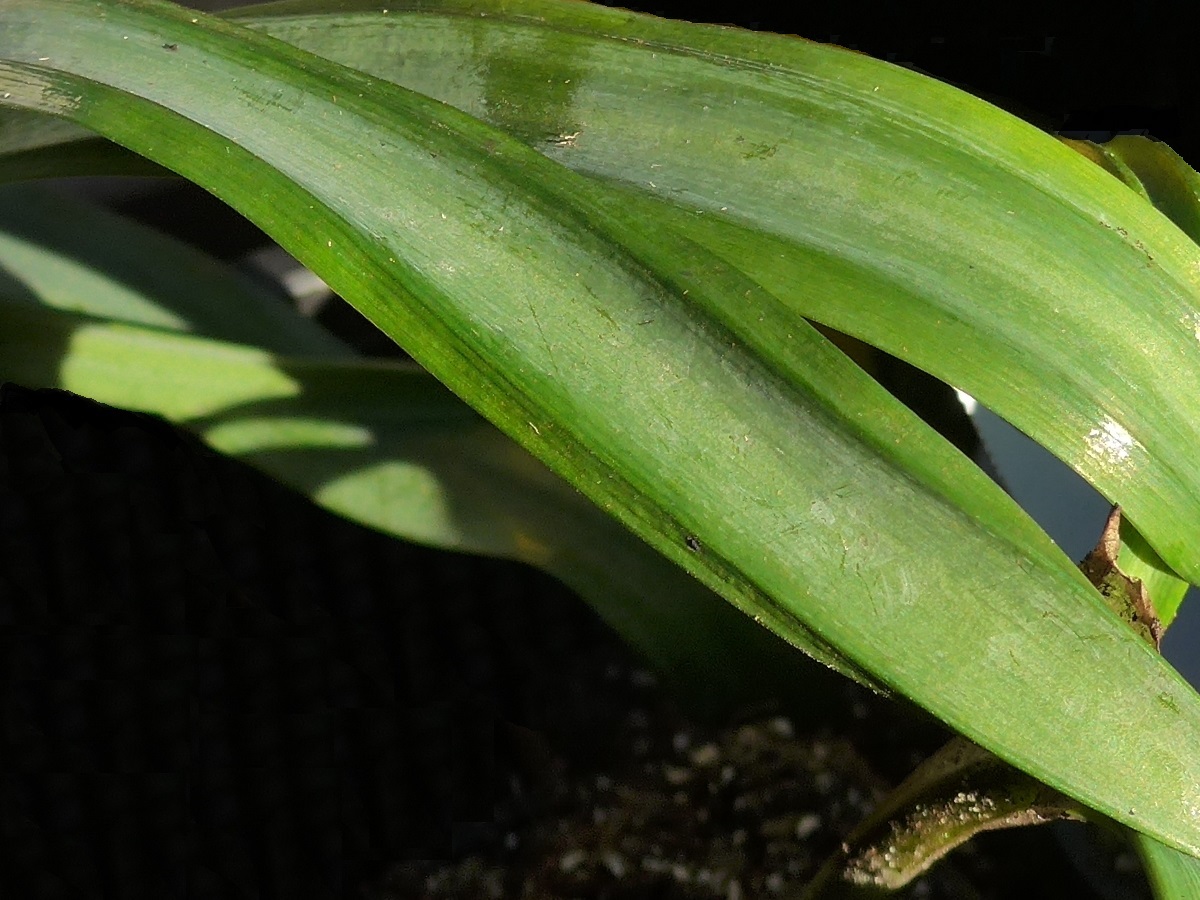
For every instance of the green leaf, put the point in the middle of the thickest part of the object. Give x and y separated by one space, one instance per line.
1110 162
1173 875
33 145
953 236
379 443
69 255
1138 560
429 51
1171 184
683 398
385 445
1153 171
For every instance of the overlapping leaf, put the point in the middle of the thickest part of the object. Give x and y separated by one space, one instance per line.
867 197
692 403
1172 875
384 444
68 255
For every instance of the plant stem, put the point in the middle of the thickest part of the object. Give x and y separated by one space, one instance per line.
957 793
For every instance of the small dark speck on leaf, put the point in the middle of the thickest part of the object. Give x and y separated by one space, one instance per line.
171 47
692 544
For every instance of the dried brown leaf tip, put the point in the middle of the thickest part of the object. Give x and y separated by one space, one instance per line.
1125 596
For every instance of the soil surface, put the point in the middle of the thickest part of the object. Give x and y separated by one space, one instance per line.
643 802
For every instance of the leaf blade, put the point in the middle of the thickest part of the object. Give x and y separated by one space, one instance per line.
66 254
1173 875
384 444
762 169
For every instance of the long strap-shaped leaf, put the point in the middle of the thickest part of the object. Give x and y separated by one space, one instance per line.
872 199
386 445
430 47
639 367
379 442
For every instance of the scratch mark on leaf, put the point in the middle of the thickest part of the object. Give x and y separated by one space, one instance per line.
545 341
